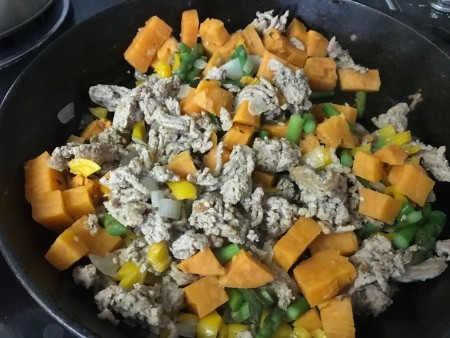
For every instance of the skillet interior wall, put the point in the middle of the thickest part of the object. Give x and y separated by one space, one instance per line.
92 53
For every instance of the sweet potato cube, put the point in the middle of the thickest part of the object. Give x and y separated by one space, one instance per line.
205 295
95 127
379 206
78 202
316 44
243 115
297 30
49 210
337 318
263 178
188 105
344 242
323 275
391 154
210 97
202 263
412 181
99 243
189 27
278 44
238 134
244 271
309 142
351 80
228 47
335 132
295 241
367 166
276 130
210 159
92 186
40 178
217 59
321 73
182 164
253 41
213 34
264 69
146 43
349 112
310 320
166 51
66 250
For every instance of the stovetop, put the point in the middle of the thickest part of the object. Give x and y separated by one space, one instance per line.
20 315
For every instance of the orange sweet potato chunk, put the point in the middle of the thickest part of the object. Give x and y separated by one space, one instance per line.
78 201
323 275
316 44
188 105
211 97
146 43
243 116
351 80
345 242
295 241
189 27
205 295
66 250
95 127
253 41
50 211
40 178
99 243
367 166
263 178
297 29
276 130
379 206
213 34
202 263
92 185
337 318
210 159
335 132
238 134
264 69
321 73
244 271
279 45
182 164
391 154
310 320
309 142
412 181
166 51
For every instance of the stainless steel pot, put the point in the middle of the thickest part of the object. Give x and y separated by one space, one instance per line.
16 13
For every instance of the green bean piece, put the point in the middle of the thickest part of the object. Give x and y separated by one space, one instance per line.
263 134
226 253
307 115
264 297
242 313
296 309
235 299
255 307
379 143
367 230
309 126
295 128
346 158
183 48
319 94
271 323
329 110
360 100
112 226
405 237
405 210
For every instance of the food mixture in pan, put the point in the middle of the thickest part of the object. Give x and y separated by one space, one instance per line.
231 194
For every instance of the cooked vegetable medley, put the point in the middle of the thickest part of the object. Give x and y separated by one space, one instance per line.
231 194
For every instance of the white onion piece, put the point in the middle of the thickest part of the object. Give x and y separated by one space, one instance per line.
67 113
169 208
200 64
149 183
106 265
156 196
315 158
256 60
233 69
184 91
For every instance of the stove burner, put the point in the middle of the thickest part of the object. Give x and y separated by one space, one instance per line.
33 35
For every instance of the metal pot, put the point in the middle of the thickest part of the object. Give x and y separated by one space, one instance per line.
16 13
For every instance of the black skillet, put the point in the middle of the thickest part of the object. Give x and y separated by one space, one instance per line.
91 53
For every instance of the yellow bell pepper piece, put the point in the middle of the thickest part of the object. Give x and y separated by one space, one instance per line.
318 333
299 332
249 80
283 331
234 329
83 166
139 82
139 130
402 138
387 132
223 331
264 315
365 148
326 157
158 256
130 274
410 149
129 237
183 190
162 68
389 235
390 190
176 61
99 112
209 326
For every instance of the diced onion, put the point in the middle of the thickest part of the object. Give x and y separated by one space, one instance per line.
149 183
315 158
107 265
200 64
169 208
67 113
184 91
156 196
233 69
252 64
